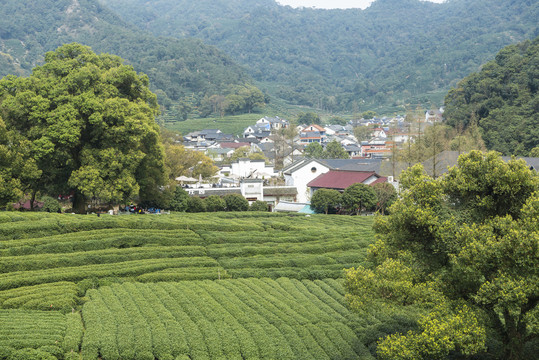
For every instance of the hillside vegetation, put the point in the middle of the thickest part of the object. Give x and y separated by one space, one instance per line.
183 69
395 52
502 99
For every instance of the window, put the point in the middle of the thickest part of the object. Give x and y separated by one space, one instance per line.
313 169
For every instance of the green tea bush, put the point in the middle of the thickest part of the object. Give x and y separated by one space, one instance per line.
259 205
236 202
195 205
74 333
228 319
214 203
50 204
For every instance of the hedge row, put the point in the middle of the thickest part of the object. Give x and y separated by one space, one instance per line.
229 319
28 334
122 269
97 240
56 296
108 256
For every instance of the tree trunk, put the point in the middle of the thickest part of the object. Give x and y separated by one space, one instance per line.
79 203
32 200
514 338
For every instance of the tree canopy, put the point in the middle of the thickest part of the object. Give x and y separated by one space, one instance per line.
91 124
358 197
502 99
236 202
462 250
333 150
326 200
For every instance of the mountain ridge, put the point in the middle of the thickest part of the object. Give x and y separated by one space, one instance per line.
177 68
393 52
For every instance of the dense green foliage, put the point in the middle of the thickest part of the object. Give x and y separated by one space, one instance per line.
18 170
462 250
214 203
26 334
90 121
333 150
236 202
502 99
181 72
359 197
395 52
326 200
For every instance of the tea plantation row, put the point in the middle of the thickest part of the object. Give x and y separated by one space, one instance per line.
181 286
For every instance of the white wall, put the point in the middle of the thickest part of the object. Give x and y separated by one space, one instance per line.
302 176
244 168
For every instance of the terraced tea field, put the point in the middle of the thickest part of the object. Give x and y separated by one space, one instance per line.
183 286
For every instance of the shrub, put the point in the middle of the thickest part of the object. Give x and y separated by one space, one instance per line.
236 202
259 205
180 200
214 203
31 354
195 204
50 204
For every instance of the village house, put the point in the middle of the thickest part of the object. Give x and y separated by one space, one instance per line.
379 133
252 190
272 123
312 133
341 179
303 171
254 169
376 149
432 116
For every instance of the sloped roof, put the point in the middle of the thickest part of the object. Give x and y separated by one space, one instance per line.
339 164
533 162
209 131
234 145
353 164
280 190
338 179
221 150
382 179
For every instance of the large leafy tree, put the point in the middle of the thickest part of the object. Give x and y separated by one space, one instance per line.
246 152
358 197
18 170
91 121
181 161
314 150
325 200
334 150
464 250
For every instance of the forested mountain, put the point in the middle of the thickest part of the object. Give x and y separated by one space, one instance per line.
395 52
177 68
503 99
